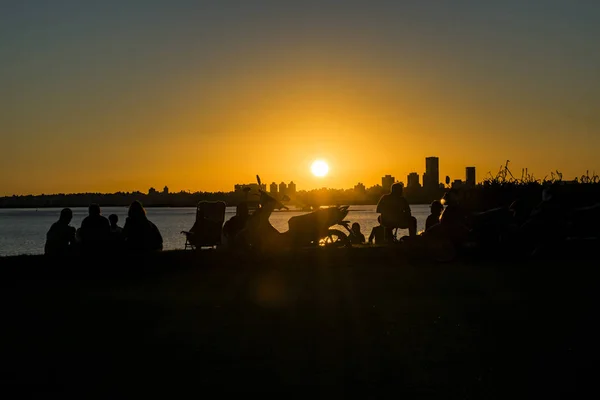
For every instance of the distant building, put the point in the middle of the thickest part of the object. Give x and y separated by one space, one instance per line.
431 177
387 182
470 176
165 190
152 191
291 189
412 180
457 183
360 188
282 188
273 189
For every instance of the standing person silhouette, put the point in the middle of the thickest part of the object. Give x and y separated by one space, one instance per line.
395 212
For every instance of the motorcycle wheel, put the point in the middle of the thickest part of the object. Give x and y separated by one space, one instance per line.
335 238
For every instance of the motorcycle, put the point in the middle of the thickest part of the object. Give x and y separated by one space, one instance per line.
312 229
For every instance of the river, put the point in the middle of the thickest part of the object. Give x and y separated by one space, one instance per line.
23 231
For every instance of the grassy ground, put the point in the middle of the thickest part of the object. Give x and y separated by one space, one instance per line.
346 322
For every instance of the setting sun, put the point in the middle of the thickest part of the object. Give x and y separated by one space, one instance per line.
319 168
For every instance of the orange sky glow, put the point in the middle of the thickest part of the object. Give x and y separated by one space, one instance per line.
74 122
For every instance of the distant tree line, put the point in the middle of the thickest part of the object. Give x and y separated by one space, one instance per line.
303 198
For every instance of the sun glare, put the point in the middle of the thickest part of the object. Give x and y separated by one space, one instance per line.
319 168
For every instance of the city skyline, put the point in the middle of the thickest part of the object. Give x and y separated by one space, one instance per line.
116 96
470 172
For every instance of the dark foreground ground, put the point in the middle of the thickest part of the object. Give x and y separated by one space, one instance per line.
361 322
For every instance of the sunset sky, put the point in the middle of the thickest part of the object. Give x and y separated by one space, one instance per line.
105 96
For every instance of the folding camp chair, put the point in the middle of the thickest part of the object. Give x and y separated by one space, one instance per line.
208 227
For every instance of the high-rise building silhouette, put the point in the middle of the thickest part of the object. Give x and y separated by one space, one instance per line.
470 176
431 177
387 182
291 189
273 189
282 188
412 180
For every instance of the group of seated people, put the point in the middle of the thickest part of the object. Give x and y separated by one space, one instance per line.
520 225
547 221
98 234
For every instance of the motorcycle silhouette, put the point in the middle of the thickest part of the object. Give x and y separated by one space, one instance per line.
312 229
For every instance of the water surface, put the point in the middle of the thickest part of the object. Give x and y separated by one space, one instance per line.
23 231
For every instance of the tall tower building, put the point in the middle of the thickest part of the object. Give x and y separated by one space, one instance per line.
412 180
282 188
470 176
291 188
387 182
273 189
431 179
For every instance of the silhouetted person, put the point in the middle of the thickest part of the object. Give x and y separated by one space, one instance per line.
395 212
453 222
141 235
377 233
236 223
115 229
61 236
436 211
357 236
95 230
116 232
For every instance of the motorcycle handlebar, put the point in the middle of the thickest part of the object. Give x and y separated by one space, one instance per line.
278 204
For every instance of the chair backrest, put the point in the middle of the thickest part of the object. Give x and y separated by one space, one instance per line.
212 210
210 216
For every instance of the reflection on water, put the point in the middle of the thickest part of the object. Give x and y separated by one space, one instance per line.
23 231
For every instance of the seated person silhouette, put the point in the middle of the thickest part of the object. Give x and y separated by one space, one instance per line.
113 219
453 221
357 236
95 230
377 233
395 212
140 234
61 236
236 223
436 212
116 232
